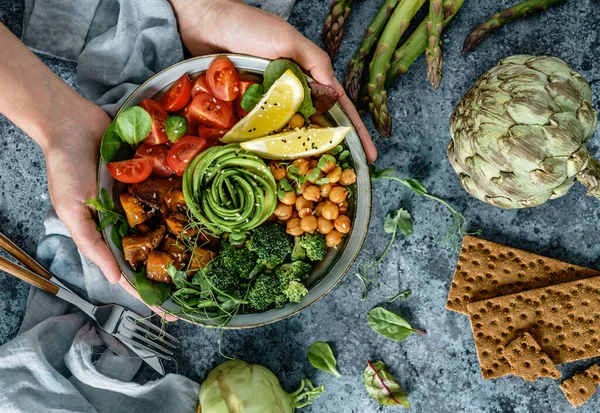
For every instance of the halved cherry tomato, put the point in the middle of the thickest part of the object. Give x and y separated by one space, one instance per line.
200 86
131 171
182 153
159 115
212 136
192 128
210 111
241 112
178 95
158 154
223 80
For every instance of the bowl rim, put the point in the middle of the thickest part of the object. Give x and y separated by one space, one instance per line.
347 266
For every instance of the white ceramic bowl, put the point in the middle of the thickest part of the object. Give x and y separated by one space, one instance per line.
337 262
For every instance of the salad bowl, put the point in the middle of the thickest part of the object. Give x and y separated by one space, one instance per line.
327 273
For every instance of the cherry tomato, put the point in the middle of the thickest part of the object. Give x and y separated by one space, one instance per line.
182 153
212 136
131 171
223 80
178 95
158 154
244 84
200 86
211 111
157 134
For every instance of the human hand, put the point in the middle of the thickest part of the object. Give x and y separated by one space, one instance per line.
212 26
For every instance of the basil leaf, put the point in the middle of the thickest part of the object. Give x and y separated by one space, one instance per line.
151 292
133 125
382 386
252 96
389 325
112 148
275 69
322 358
175 127
400 221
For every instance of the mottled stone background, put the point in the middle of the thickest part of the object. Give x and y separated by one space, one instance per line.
439 371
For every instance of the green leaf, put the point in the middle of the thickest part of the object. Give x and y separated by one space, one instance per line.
314 174
133 125
116 238
252 96
113 148
175 127
123 229
237 238
275 69
404 295
400 221
294 169
179 277
382 386
106 199
151 292
322 358
344 155
96 203
389 325
416 186
324 159
337 150
377 173
322 181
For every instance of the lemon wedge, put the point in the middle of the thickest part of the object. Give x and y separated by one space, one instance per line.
300 143
272 112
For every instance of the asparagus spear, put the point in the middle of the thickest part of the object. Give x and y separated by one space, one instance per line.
415 45
356 65
395 27
501 18
333 28
433 56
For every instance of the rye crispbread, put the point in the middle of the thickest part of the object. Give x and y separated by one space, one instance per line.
582 386
528 361
563 319
487 270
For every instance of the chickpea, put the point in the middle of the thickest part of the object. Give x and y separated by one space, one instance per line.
334 176
344 208
342 224
283 212
328 167
293 227
308 224
294 214
319 209
289 198
302 202
330 211
314 175
348 177
338 195
324 226
302 165
304 212
277 169
300 188
333 239
297 121
313 163
312 193
325 190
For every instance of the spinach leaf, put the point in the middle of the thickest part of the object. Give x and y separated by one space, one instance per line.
322 358
382 387
112 148
390 325
179 277
275 69
133 125
252 96
151 292
175 127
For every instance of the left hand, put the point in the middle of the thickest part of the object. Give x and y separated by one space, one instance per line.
213 26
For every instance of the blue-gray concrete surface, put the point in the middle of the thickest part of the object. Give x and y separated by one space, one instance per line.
439 371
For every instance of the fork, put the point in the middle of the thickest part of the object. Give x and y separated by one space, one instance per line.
137 333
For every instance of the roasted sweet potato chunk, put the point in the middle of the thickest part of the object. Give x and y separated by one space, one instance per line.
177 224
176 250
137 247
156 267
134 210
175 200
153 191
200 258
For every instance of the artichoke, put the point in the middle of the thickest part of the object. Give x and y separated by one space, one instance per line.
519 135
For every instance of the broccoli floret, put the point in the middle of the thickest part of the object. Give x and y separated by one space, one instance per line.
264 292
315 246
298 253
219 277
271 244
295 291
240 261
280 300
296 270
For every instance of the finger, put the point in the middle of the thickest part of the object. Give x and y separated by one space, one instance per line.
361 129
312 58
123 282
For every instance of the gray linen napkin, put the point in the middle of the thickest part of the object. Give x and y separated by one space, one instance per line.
59 362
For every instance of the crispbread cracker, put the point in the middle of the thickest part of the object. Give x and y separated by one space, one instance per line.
582 386
487 270
563 319
528 361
